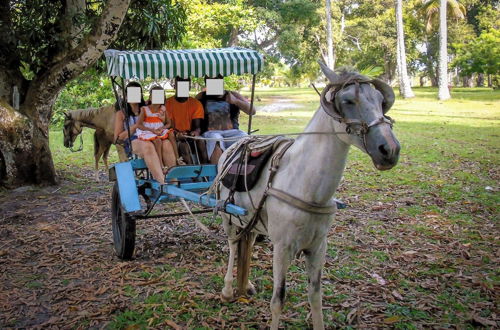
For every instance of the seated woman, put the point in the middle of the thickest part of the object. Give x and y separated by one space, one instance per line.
143 149
222 110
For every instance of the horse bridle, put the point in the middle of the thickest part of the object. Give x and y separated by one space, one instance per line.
337 114
80 148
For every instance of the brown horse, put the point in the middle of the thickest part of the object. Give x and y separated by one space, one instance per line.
102 120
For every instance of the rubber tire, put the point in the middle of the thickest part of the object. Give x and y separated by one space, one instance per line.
123 226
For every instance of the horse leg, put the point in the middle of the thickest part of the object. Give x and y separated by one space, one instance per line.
245 248
97 155
105 156
122 155
315 261
227 291
281 262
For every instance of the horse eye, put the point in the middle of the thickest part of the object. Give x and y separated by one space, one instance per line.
348 102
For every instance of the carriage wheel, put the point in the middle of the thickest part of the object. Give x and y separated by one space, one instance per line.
123 226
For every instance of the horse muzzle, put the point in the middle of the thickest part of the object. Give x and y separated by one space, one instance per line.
383 147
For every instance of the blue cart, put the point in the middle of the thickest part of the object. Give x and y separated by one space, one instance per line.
135 193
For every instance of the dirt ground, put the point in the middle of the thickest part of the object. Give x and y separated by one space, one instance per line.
58 268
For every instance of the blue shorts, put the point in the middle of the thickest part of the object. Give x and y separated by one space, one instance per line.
235 134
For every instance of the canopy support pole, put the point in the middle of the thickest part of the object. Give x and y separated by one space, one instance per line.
251 105
123 106
122 103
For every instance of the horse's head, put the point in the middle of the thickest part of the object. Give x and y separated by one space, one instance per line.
360 103
72 128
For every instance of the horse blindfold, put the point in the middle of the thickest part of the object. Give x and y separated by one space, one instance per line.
329 93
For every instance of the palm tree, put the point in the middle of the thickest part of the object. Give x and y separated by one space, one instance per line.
329 38
457 11
404 82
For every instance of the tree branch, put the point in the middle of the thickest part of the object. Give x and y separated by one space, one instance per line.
46 87
10 61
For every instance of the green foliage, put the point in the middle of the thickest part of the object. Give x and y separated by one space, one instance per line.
481 55
152 24
91 89
42 29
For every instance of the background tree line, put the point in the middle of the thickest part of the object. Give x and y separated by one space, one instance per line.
51 51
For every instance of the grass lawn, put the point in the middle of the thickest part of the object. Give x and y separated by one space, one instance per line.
418 247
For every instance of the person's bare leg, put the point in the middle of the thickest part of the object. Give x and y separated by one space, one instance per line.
158 143
202 151
168 154
173 143
214 159
184 151
146 150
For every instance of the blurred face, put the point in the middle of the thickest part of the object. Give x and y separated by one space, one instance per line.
134 95
157 96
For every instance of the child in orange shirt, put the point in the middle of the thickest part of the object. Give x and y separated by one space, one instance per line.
153 125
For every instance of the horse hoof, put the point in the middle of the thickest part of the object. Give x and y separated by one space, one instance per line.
251 290
225 298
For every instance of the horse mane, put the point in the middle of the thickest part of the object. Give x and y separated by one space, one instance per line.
347 75
86 114
83 114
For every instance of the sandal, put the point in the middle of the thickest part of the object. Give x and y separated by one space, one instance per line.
180 161
165 169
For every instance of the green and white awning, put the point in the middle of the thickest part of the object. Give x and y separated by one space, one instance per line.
158 64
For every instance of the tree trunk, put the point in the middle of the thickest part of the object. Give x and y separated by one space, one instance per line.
329 38
444 92
25 156
480 80
404 81
466 81
422 81
24 150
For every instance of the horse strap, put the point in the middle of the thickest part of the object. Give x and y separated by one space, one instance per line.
283 146
301 204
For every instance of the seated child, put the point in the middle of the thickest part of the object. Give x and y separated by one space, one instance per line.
154 125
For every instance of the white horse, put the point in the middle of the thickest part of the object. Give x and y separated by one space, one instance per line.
298 217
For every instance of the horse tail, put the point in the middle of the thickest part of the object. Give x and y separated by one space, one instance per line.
96 145
245 248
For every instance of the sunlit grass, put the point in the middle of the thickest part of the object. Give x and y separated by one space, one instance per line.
449 156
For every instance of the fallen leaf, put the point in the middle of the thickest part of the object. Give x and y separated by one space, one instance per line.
379 279
243 300
392 319
397 295
483 321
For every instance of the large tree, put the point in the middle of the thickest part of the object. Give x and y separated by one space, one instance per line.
404 81
443 92
44 44
440 10
39 37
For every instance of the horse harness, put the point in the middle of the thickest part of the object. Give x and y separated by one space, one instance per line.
327 99
294 201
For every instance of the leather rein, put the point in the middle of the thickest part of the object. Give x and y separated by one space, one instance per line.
363 130
353 126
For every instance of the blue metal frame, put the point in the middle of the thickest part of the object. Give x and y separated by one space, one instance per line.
194 181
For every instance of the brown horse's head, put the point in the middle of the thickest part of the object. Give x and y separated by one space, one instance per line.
72 128
361 103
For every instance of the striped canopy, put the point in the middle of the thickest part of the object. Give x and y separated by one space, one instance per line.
182 63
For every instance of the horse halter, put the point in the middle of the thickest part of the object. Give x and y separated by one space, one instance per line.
353 126
70 131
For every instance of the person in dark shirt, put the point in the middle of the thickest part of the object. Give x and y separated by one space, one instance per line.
221 120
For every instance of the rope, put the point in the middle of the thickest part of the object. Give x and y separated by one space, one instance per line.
237 138
197 222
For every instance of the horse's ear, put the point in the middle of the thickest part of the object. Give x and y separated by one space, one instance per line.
387 93
66 115
327 100
329 73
